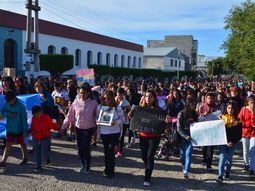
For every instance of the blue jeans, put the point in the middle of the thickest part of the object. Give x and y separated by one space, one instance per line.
225 158
249 152
41 149
185 154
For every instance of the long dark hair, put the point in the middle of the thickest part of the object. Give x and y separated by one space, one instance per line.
155 102
234 106
188 112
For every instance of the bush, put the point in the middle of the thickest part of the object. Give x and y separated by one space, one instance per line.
56 64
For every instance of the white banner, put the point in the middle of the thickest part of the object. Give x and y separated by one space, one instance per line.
208 133
211 116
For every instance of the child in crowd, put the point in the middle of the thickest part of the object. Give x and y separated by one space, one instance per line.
234 134
40 129
16 125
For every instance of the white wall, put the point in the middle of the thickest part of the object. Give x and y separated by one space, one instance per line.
46 40
174 68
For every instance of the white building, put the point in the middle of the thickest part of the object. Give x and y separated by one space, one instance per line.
86 47
164 58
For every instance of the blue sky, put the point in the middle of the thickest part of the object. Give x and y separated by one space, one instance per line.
140 20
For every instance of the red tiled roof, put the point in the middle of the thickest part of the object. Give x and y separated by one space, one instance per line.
18 21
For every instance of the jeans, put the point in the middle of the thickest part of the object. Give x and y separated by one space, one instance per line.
208 155
109 142
249 152
225 158
185 154
41 149
148 146
83 142
121 142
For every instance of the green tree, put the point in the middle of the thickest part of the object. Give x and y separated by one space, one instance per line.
240 43
56 64
218 66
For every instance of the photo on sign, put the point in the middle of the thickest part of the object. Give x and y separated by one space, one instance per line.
105 116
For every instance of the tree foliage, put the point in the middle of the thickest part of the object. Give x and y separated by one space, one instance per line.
240 43
56 64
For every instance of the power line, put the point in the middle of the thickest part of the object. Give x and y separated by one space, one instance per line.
78 17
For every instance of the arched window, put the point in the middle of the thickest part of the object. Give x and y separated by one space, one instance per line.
10 53
89 57
77 57
129 60
115 60
64 50
122 61
51 49
140 63
99 58
134 62
108 59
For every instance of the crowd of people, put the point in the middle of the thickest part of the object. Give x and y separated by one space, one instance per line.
74 110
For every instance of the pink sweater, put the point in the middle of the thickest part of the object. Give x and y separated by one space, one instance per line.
82 114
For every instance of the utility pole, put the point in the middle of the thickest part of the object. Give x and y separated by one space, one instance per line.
32 47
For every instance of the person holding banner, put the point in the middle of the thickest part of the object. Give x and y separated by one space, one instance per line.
208 107
148 141
247 116
16 126
185 117
82 114
234 134
110 129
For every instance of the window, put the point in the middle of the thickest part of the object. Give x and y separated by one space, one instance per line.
51 49
122 61
115 60
10 53
89 57
77 57
99 58
134 62
129 60
179 63
171 62
175 63
64 51
108 59
139 63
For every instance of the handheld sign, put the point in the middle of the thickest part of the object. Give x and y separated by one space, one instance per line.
148 120
208 133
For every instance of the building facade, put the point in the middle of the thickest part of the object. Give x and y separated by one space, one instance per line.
86 47
164 58
185 43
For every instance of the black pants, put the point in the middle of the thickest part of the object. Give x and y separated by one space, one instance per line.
208 155
109 142
148 146
83 143
121 142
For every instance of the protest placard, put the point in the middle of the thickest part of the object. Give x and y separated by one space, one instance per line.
105 116
148 120
210 117
85 75
208 133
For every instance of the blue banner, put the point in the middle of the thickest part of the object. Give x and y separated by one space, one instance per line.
29 100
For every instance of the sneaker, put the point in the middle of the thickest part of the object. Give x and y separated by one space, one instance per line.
245 168
186 175
82 169
24 161
147 183
227 176
118 155
251 174
129 145
219 179
37 169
